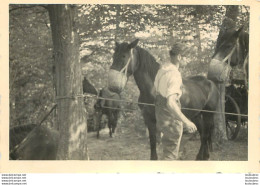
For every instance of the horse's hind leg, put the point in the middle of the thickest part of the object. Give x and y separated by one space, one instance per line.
206 133
198 120
97 121
209 125
151 124
110 128
110 123
152 137
114 121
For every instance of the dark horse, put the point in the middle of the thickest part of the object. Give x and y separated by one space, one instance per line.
233 46
33 142
109 108
232 50
198 93
112 113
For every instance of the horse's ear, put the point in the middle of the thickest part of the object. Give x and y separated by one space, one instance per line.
133 44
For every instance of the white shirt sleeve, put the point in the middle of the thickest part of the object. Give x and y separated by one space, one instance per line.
174 83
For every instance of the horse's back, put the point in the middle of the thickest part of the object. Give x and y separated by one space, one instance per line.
198 93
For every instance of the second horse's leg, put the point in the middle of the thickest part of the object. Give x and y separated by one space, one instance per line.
97 121
150 121
110 123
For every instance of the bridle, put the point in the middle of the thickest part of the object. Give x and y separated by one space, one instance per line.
118 79
124 69
228 57
219 69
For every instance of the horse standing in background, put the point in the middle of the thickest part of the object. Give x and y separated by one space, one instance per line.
107 107
198 93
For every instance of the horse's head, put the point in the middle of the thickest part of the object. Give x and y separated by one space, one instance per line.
228 49
232 49
123 66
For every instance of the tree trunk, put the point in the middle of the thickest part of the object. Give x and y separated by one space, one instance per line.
198 36
71 120
220 134
117 31
232 12
229 24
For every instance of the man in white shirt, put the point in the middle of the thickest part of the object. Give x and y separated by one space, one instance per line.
170 119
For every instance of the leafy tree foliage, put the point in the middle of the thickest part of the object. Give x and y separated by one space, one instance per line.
31 79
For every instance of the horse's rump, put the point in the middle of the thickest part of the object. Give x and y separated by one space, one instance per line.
198 93
109 106
109 101
39 143
18 133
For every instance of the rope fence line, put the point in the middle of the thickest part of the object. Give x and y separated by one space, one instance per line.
132 110
139 103
46 116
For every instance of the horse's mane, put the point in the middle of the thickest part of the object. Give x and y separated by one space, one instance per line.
147 62
224 38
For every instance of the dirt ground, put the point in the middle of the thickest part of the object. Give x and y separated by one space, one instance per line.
131 142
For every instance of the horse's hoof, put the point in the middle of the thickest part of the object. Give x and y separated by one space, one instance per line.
154 158
200 158
206 158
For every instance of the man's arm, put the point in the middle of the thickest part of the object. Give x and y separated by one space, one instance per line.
176 111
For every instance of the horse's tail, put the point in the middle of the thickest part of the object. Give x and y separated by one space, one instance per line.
213 97
211 104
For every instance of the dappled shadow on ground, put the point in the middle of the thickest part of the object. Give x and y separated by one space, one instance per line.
236 150
133 144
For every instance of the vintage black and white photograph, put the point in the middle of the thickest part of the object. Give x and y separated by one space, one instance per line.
128 82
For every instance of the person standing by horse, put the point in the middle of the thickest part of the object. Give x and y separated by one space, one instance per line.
170 120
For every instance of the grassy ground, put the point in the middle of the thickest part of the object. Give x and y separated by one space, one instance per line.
131 143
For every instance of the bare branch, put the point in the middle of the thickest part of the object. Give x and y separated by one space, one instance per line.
245 7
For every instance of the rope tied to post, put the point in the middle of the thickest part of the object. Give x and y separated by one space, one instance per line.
138 103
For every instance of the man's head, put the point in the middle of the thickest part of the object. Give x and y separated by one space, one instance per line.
176 52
